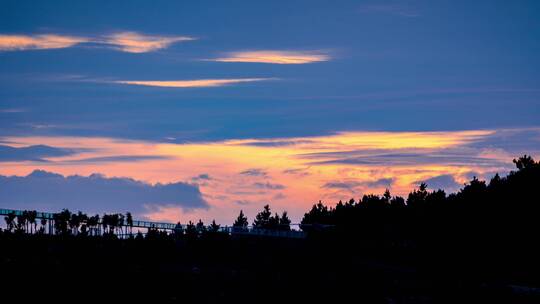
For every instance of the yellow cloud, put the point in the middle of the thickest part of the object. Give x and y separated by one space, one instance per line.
283 162
276 57
27 42
198 83
133 42
130 42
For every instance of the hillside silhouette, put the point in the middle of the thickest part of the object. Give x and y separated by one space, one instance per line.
479 244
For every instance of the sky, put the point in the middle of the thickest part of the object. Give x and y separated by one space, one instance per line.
187 110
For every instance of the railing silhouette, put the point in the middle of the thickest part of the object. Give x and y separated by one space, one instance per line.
250 230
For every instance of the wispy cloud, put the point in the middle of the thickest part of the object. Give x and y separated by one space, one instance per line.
197 83
275 57
12 110
269 186
119 158
203 176
406 157
133 42
276 143
332 167
38 42
244 202
32 153
130 42
254 172
351 185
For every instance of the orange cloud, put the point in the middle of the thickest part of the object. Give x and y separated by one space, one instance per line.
130 42
304 168
198 83
133 42
37 42
276 57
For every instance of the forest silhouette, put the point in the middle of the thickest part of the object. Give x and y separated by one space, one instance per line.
479 244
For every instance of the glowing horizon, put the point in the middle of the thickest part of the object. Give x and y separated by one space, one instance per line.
240 174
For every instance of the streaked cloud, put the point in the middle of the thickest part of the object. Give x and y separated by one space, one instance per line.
244 202
275 57
269 186
38 42
12 110
203 176
351 185
333 167
275 143
38 153
197 83
133 42
120 158
254 172
457 157
130 42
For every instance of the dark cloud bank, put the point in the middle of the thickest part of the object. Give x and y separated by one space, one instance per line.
47 191
445 182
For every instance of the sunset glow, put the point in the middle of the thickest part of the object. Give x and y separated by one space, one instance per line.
290 173
189 110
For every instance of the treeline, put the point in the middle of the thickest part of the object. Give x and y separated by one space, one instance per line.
485 229
506 205
68 223
80 224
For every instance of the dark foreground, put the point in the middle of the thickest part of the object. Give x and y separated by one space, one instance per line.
479 245
225 269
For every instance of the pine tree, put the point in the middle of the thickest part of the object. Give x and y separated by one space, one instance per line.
262 220
241 221
284 222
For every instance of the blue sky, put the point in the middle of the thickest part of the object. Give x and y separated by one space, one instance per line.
375 66
419 65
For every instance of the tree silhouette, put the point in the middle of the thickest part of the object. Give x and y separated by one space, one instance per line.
201 228
22 220
284 222
31 217
524 162
120 222
178 230
418 197
241 222
105 219
93 223
263 218
214 228
129 221
191 230
10 221
61 221
43 225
